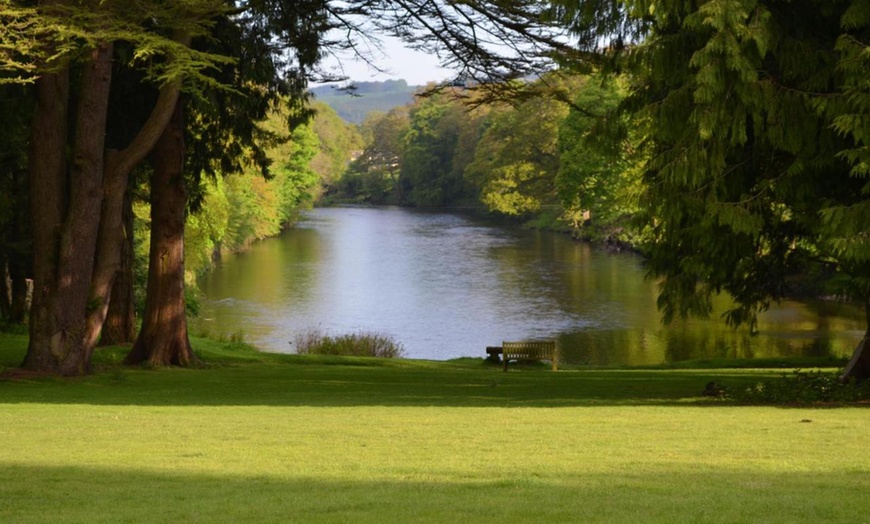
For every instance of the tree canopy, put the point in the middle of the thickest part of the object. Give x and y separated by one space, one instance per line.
754 122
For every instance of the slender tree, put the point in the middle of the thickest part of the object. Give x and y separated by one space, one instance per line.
163 338
273 45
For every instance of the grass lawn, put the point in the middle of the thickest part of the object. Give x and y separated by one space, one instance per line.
272 438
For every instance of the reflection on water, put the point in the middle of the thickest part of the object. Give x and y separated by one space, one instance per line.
447 286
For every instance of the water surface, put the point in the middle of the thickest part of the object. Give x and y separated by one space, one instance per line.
447 285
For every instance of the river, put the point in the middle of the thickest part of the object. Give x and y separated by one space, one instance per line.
447 285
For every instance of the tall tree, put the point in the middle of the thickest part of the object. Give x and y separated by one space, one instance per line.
76 204
756 118
431 168
339 142
163 338
374 175
274 44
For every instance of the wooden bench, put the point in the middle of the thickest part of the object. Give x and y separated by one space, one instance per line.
544 350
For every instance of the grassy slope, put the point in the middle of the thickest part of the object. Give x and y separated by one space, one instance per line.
268 438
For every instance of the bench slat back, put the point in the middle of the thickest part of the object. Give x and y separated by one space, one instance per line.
542 350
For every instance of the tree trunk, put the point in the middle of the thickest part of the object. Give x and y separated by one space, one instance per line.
48 206
859 366
108 249
163 338
5 289
66 238
118 165
120 324
77 229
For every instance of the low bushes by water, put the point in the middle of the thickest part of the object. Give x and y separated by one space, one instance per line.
360 344
802 387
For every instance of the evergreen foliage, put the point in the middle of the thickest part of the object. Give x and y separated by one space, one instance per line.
750 176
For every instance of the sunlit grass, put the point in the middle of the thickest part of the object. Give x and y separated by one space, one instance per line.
264 438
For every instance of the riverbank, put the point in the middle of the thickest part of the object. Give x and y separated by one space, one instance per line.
261 437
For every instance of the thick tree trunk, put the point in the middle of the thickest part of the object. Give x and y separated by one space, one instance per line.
120 325
108 249
163 338
77 229
66 239
48 206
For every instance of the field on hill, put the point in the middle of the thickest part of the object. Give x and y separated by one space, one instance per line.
353 106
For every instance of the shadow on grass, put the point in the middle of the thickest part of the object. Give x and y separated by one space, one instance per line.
285 384
34 494
241 376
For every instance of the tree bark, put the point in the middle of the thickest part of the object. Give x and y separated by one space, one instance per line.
118 165
163 338
66 238
48 206
859 365
120 324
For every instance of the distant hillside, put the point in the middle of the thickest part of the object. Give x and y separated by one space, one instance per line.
368 96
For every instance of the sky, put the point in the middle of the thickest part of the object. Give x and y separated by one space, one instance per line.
416 67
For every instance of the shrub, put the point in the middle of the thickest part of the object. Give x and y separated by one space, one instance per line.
803 387
361 344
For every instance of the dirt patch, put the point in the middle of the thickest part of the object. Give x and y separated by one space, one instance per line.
22 374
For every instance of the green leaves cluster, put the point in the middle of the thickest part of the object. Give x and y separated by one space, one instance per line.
754 116
38 39
243 207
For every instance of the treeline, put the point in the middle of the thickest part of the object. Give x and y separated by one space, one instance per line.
557 154
234 211
229 211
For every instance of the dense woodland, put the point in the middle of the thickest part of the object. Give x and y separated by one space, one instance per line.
726 139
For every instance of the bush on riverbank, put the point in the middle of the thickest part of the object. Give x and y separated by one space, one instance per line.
802 387
361 344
